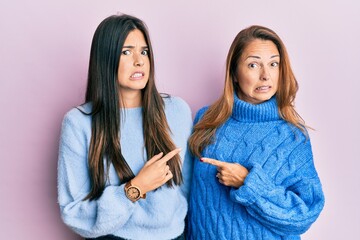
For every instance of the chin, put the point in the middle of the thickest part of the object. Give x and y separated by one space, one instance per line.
261 100
139 86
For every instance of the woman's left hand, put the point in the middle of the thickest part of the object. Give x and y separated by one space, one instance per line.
229 174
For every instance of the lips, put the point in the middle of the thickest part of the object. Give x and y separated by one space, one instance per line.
263 88
137 75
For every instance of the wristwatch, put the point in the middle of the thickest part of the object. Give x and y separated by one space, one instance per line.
133 192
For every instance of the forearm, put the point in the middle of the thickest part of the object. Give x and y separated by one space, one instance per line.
284 210
97 217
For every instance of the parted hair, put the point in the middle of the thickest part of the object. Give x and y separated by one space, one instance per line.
102 92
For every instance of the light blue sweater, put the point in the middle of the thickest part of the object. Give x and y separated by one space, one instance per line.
282 194
160 216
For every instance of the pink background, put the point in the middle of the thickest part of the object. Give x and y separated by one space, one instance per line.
44 50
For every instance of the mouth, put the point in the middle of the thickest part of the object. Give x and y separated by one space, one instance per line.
137 75
263 88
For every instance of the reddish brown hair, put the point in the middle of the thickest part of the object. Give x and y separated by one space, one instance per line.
221 110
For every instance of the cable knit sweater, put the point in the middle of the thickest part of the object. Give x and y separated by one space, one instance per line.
282 194
160 216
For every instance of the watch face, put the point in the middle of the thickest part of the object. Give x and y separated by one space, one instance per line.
133 193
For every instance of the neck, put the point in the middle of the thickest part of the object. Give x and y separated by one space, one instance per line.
247 112
130 99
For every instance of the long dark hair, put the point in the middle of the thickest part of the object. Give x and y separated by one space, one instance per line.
221 110
102 92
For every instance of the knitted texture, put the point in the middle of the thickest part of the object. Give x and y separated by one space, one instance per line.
282 194
160 216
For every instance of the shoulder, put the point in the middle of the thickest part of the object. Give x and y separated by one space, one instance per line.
176 109
78 116
200 113
75 130
176 105
297 134
295 142
178 114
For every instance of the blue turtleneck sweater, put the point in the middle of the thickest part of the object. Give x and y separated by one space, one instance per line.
282 194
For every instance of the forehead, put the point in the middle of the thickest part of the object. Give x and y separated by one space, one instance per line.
260 48
135 37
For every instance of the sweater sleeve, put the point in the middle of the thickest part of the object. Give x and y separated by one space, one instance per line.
87 218
187 167
187 170
289 207
188 164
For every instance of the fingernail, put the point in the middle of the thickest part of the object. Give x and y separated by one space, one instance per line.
201 160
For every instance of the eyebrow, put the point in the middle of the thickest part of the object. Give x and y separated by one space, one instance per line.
134 47
257 57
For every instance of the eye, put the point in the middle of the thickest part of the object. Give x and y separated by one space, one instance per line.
126 52
274 64
252 65
145 52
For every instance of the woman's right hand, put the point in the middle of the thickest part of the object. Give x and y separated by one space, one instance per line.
155 172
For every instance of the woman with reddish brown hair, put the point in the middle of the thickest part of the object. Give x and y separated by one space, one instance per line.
254 175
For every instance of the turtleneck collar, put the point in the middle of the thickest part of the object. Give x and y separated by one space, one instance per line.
247 112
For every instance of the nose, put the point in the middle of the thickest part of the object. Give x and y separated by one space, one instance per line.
138 60
265 75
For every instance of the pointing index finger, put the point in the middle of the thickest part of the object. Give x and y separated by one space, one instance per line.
213 162
171 154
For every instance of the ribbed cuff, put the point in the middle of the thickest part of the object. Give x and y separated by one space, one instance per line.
256 183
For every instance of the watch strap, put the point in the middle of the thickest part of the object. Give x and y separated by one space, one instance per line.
129 185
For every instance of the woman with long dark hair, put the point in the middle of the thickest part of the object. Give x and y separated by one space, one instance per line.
123 170
254 177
